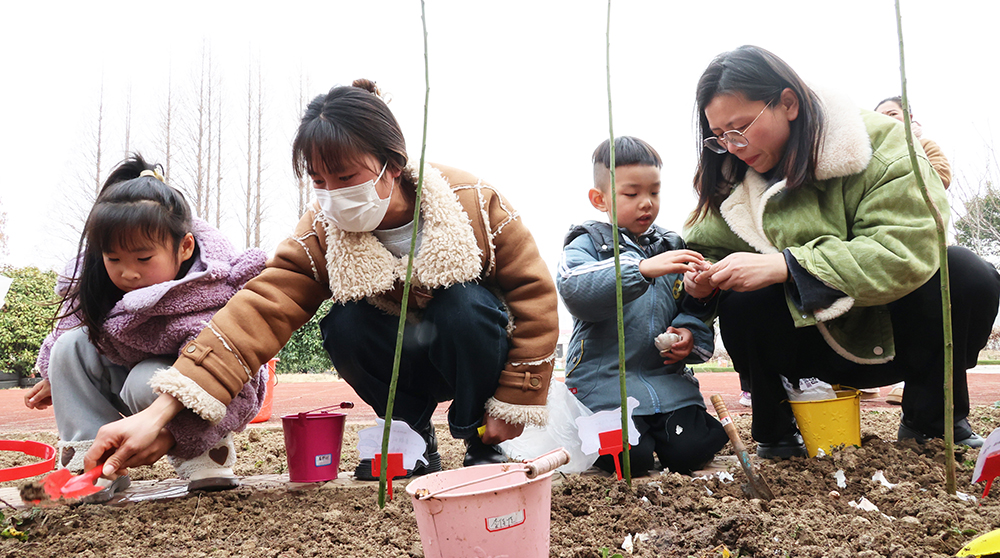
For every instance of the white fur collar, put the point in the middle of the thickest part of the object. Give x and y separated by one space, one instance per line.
845 150
360 266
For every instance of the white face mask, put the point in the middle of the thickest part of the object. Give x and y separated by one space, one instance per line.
355 208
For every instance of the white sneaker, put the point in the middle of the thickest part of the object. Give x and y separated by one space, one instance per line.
895 396
745 399
212 470
870 393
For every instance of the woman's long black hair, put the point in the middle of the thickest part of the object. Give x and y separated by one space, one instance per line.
757 75
130 211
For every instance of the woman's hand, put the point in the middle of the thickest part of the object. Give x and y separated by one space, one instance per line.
499 430
140 439
40 396
673 261
682 348
746 271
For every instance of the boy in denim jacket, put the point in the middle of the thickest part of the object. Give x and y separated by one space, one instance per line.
671 417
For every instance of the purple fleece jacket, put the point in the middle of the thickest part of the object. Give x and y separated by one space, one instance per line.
160 319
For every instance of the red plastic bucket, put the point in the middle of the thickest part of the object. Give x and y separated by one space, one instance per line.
312 445
272 379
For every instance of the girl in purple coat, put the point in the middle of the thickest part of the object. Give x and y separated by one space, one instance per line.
147 280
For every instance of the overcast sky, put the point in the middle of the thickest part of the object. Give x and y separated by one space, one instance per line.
518 88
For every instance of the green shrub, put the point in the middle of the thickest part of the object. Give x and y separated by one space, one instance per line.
304 352
26 317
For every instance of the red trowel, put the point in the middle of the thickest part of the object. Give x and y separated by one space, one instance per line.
62 484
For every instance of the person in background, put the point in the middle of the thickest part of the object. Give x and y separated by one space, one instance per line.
893 107
482 318
148 277
671 418
825 254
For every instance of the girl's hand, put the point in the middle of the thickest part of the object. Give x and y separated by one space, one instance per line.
40 396
681 349
499 430
140 439
674 261
746 271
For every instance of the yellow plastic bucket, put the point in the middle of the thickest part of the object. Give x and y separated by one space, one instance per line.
828 423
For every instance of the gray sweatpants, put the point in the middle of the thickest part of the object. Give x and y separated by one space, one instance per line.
89 391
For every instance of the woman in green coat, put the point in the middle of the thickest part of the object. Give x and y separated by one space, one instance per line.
825 253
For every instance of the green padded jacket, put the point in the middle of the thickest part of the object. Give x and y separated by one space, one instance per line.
861 228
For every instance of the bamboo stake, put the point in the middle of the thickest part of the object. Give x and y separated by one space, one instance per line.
406 283
626 465
949 346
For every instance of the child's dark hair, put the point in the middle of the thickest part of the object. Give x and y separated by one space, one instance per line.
346 124
133 207
628 151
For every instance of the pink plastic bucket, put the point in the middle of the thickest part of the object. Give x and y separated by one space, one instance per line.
503 516
312 445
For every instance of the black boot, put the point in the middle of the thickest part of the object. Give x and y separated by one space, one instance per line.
479 453
790 445
963 434
364 469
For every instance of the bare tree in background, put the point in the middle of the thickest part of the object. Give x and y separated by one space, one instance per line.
128 120
250 202
218 163
198 138
82 188
98 143
978 228
253 214
302 185
206 214
167 127
258 211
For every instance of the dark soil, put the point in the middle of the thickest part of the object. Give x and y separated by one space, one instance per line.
664 514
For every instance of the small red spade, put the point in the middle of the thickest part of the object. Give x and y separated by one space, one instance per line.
611 444
393 470
991 468
62 484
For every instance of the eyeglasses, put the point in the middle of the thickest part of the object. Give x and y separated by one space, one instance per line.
734 137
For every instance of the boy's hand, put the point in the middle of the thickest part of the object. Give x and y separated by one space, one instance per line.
674 261
681 349
40 396
697 283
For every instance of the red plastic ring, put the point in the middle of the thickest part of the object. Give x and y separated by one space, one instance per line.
29 447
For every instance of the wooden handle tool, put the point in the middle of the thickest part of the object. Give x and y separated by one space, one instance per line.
756 487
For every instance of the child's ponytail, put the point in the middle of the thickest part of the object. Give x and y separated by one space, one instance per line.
134 206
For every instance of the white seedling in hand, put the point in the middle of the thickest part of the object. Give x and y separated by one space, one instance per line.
664 341
402 439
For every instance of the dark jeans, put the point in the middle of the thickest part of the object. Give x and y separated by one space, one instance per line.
456 352
763 342
701 437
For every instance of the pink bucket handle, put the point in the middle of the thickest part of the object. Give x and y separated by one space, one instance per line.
545 463
341 405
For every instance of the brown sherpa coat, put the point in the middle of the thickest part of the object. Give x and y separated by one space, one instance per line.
470 233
